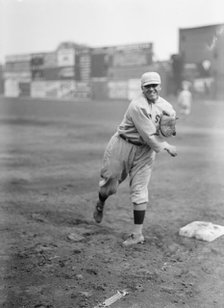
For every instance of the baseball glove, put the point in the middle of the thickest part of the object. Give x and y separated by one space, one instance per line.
167 125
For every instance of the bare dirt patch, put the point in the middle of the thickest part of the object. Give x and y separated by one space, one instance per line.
52 254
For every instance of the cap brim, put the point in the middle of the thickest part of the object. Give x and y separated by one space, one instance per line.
151 82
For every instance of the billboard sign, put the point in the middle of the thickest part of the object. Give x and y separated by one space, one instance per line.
66 89
54 89
11 88
83 90
50 59
22 76
66 72
133 55
66 57
18 58
118 89
18 66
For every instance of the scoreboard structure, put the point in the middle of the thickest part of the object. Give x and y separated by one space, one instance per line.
202 50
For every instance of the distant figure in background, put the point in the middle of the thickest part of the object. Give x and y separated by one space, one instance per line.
131 152
184 99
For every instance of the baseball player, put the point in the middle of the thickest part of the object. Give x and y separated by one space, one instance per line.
131 152
184 99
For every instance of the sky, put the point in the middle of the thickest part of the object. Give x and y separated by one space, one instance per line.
30 26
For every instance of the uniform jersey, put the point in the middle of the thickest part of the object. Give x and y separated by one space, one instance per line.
121 158
141 121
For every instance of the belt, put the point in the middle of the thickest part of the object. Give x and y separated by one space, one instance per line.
130 141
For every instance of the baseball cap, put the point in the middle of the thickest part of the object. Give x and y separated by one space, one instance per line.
150 78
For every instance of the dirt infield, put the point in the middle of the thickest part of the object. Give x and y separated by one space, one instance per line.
53 255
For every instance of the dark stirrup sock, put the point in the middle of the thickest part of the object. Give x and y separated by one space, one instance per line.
139 217
102 198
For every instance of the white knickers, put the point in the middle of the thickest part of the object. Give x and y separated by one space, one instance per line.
122 159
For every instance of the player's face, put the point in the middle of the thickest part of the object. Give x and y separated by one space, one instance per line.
151 91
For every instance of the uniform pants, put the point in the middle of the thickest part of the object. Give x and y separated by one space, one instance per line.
122 159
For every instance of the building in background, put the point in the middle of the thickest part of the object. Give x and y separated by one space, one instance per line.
75 71
1 80
17 75
202 52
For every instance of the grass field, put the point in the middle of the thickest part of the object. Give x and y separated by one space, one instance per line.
53 255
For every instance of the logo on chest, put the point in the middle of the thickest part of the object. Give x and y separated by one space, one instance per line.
155 119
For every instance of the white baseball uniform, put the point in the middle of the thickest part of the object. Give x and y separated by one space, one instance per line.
185 100
132 149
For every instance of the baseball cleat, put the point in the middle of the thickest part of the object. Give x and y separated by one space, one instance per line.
98 213
134 239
